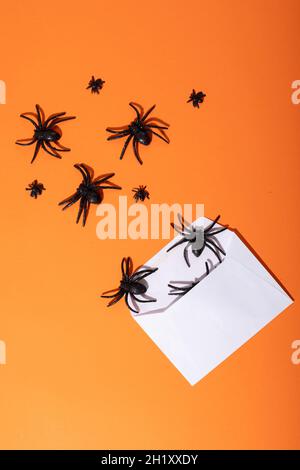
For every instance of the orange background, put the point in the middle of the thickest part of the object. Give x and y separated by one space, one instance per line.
79 375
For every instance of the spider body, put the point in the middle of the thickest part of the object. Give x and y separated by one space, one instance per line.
95 85
196 98
90 191
140 193
198 238
46 133
131 285
139 131
35 188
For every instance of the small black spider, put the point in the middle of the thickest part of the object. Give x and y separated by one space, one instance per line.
196 98
45 133
182 289
35 188
90 191
140 193
198 238
140 130
95 84
131 285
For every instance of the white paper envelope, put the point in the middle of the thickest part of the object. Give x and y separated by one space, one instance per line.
200 329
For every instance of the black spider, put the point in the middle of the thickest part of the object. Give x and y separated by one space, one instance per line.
35 188
196 98
131 285
140 193
90 191
198 238
140 130
182 289
45 133
95 84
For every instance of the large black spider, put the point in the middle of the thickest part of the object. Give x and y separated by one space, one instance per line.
35 188
140 193
196 98
95 85
181 288
131 285
198 238
139 130
90 191
46 133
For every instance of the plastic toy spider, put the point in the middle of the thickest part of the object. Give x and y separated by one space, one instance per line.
46 133
198 238
140 193
184 289
139 130
196 98
131 285
95 85
90 191
35 188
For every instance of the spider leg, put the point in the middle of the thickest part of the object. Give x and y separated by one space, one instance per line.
154 126
59 120
39 117
183 240
52 117
145 301
25 141
115 300
48 151
36 151
147 113
29 119
127 303
115 131
85 212
71 201
125 146
186 255
81 207
142 274
84 172
118 136
129 266
179 230
207 229
161 137
60 149
214 251
111 296
218 248
123 266
68 199
185 224
102 179
207 268
136 151
117 290
216 231
136 110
